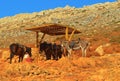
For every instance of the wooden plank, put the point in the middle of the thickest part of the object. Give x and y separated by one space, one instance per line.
53 29
71 35
36 39
66 33
42 38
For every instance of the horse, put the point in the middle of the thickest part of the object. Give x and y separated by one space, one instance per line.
19 50
76 45
51 50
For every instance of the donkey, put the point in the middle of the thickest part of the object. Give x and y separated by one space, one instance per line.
19 50
51 50
76 45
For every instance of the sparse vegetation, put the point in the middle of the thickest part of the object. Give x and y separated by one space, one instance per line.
85 19
99 24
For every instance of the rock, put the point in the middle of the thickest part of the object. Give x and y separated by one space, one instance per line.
100 50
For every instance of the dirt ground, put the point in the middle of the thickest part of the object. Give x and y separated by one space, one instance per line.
94 67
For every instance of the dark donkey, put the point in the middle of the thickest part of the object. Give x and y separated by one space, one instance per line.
20 50
51 50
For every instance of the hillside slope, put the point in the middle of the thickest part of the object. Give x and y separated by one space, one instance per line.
99 24
91 20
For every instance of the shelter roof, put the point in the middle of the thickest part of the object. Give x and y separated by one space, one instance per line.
53 29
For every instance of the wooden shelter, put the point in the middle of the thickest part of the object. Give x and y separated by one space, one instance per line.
53 30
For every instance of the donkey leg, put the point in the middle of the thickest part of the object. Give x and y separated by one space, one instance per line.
59 55
11 56
48 56
19 59
70 52
83 52
53 55
65 52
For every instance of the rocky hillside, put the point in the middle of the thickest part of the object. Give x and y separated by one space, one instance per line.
91 20
99 24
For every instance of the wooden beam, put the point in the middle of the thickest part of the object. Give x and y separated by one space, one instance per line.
36 39
42 38
71 35
39 46
66 33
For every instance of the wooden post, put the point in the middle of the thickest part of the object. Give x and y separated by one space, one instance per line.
42 38
39 46
71 35
66 33
36 39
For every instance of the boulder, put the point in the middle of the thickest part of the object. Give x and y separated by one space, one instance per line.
100 50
